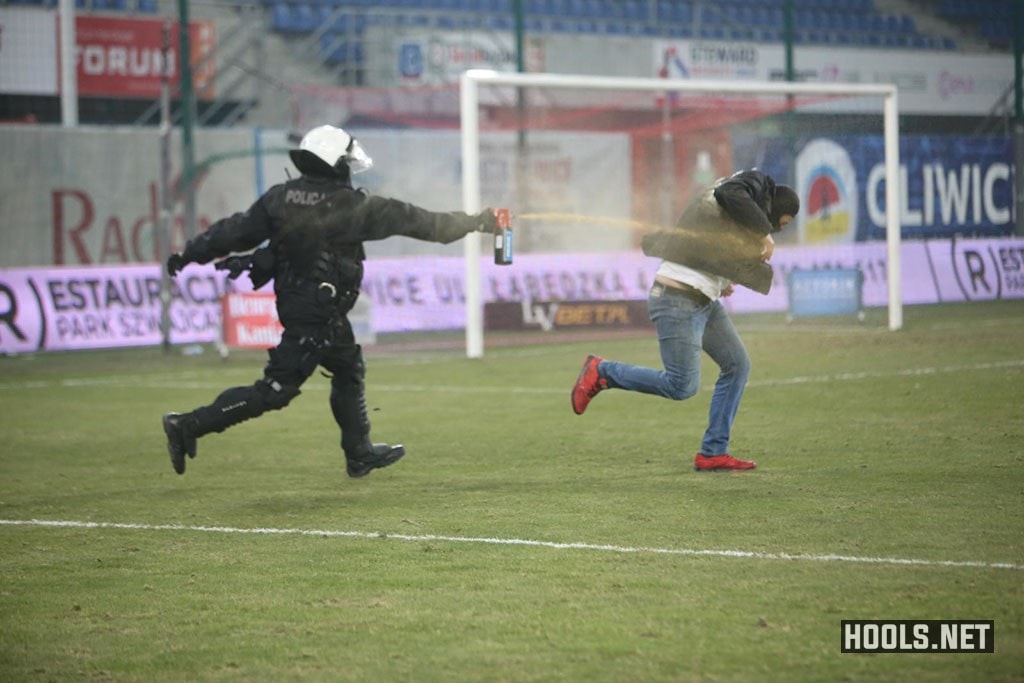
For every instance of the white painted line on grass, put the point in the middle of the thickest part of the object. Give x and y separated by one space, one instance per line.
907 372
736 554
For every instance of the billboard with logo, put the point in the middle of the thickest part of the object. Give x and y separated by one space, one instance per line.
827 183
115 56
951 185
425 57
124 57
85 307
930 83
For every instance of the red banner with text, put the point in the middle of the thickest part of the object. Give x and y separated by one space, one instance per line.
124 57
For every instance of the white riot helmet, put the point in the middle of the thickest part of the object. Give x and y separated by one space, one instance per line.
331 146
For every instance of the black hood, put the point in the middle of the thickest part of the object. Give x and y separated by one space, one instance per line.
785 202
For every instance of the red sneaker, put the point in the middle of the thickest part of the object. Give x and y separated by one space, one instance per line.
721 463
588 384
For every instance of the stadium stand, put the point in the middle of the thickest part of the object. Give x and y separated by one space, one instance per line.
340 24
337 42
816 22
127 6
865 23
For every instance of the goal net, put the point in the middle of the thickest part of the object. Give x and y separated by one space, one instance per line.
588 164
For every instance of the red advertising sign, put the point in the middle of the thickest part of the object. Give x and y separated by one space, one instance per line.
250 320
124 57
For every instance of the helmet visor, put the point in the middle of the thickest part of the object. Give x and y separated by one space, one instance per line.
357 158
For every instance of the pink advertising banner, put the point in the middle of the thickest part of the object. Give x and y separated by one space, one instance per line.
87 307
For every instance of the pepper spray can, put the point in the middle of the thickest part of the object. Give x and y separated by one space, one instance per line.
503 237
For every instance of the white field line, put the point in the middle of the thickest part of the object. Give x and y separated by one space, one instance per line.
186 381
733 554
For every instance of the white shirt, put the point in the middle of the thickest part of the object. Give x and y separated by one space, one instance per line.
710 285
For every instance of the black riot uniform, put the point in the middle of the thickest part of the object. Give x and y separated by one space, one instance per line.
312 229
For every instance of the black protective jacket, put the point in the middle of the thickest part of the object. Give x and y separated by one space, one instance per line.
720 232
316 226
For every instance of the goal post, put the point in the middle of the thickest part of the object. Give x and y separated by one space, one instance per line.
470 103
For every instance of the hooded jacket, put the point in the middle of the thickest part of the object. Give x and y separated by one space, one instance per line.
720 232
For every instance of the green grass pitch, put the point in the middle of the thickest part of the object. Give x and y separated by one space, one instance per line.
517 541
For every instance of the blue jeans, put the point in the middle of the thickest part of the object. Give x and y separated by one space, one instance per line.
684 328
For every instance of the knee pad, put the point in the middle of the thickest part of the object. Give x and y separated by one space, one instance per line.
235 405
274 394
353 376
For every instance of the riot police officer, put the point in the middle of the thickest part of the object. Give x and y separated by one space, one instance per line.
308 236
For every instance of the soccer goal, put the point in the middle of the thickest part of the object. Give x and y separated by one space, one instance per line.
593 161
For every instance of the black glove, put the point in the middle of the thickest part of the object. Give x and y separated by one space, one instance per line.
235 265
175 262
487 221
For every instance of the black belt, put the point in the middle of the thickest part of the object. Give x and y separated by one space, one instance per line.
684 291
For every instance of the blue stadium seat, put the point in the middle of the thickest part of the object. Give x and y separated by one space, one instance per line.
663 10
838 21
340 23
740 33
712 32
304 18
710 17
634 11
962 9
996 30
682 31
322 12
333 48
498 23
281 17
576 8
587 26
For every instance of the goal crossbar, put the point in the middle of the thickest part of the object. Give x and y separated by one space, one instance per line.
472 79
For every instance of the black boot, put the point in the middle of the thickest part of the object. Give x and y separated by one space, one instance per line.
348 404
372 458
181 438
